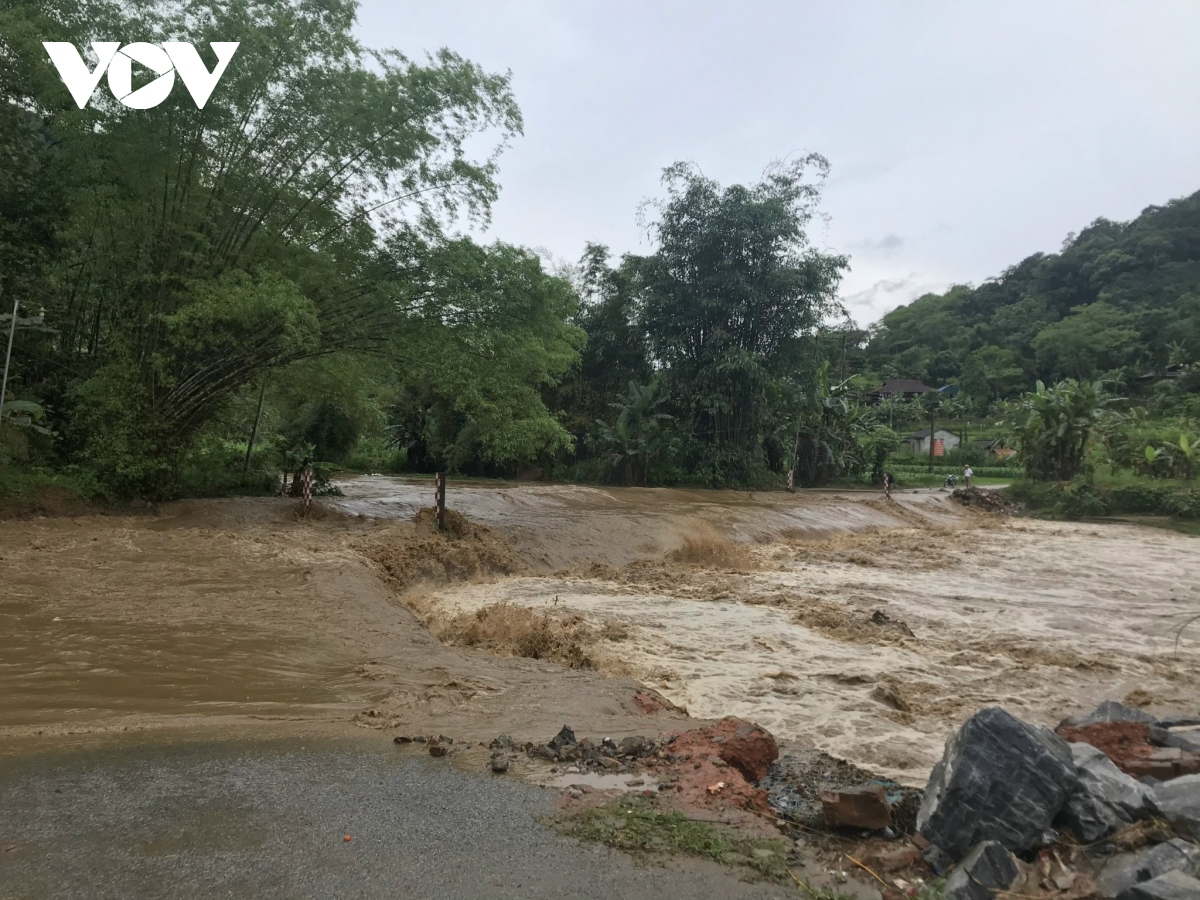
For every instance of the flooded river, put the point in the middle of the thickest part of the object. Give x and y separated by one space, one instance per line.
837 620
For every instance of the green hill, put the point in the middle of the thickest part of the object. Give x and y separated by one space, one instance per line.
1119 300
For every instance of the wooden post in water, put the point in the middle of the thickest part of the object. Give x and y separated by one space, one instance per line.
439 499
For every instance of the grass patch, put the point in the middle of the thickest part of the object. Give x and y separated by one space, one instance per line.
634 825
1104 498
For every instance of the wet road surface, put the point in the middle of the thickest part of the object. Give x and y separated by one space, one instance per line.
267 819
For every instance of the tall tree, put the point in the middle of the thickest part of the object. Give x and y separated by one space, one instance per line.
731 300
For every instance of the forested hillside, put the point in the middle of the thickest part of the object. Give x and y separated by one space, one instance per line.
1120 300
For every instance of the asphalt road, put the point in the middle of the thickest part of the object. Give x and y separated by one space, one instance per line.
267 820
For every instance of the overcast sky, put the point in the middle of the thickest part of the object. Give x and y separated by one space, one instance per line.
963 136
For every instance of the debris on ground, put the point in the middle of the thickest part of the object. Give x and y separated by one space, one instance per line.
863 807
1073 812
797 781
987 868
1012 809
1120 873
988 501
1139 747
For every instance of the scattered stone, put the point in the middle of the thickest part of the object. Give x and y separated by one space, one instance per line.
636 746
609 763
1179 722
420 738
504 742
1182 737
402 739
1104 799
438 750
1127 869
575 793
1172 886
500 764
1112 711
857 807
999 779
1178 801
1144 767
564 736
987 868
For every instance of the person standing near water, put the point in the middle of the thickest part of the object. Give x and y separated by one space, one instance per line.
967 475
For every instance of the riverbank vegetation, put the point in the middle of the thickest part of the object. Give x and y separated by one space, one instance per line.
207 297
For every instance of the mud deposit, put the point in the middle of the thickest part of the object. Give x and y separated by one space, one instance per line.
839 622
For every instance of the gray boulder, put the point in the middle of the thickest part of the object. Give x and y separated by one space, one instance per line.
989 867
1104 798
1179 721
1172 886
1128 869
1110 711
999 779
1178 801
1186 739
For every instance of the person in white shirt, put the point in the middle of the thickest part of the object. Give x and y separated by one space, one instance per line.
967 473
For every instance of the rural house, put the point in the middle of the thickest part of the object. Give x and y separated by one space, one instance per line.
901 389
919 441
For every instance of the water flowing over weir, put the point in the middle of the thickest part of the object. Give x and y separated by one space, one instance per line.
835 619
865 628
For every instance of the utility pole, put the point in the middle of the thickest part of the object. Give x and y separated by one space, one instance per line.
12 330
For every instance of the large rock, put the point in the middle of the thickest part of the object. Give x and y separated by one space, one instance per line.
999 779
1172 886
1104 798
1128 869
988 868
1178 801
1186 739
1112 711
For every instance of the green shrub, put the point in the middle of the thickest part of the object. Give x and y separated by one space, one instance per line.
217 468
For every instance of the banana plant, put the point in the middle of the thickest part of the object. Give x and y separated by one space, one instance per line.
1183 456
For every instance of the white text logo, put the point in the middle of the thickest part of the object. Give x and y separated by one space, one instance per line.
165 61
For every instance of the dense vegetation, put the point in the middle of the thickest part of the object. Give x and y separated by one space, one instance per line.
1121 300
206 297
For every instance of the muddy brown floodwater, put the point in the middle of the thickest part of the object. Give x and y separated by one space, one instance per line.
837 620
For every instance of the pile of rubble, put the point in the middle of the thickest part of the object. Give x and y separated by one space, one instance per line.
988 500
1006 787
1108 805
715 766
